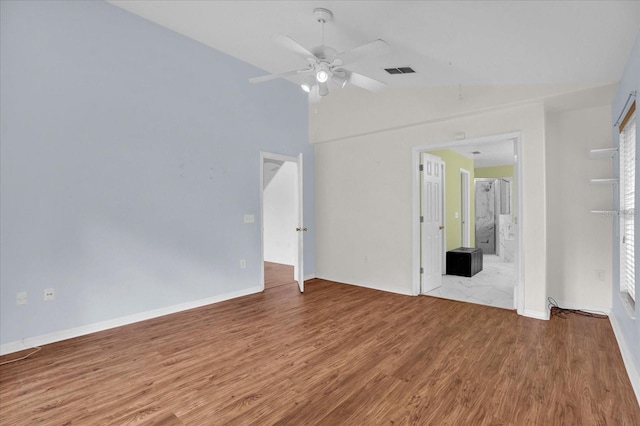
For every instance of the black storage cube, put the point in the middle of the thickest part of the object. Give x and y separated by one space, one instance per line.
464 261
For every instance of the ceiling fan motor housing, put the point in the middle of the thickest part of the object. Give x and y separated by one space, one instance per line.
322 15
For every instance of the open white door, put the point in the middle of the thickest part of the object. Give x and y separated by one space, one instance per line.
286 234
432 227
301 230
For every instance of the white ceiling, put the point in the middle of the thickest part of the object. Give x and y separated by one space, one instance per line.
490 153
446 42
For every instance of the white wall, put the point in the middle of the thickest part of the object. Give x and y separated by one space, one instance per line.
364 199
280 206
578 242
129 157
363 155
355 112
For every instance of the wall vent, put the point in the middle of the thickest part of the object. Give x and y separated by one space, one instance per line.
400 70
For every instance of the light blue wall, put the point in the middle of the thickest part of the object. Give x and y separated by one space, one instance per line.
129 155
630 328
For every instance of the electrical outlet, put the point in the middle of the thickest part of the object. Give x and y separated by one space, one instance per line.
49 294
249 218
243 264
21 298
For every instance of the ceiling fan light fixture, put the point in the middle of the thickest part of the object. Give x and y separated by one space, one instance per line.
322 75
306 87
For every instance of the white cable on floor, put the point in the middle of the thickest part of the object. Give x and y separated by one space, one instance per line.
37 349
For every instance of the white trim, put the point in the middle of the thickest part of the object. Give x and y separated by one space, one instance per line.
58 336
299 273
309 277
518 175
443 211
536 314
465 207
517 138
396 290
415 231
627 357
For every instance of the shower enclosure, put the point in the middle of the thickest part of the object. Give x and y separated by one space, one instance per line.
493 211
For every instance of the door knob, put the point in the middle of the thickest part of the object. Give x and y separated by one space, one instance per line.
301 229
441 227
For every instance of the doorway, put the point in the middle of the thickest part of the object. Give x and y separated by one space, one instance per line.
282 227
459 213
494 228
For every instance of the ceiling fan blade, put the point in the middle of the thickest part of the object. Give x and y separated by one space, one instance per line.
366 83
374 48
293 46
279 75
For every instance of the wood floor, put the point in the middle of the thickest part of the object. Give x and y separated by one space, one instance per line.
335 355
277 274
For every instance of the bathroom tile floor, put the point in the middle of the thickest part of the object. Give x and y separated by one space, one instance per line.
493 286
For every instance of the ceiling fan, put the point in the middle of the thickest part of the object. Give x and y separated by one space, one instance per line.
326 66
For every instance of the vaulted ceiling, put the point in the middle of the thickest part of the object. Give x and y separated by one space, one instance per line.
446 42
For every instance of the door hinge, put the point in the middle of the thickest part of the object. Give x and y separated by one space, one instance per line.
422 270
421 168
421 219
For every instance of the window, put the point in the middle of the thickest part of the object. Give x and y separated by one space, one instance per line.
627 202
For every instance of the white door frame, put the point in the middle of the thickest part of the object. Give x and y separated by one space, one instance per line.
465 203
516 138
298 267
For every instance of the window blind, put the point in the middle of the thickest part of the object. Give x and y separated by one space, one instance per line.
627 201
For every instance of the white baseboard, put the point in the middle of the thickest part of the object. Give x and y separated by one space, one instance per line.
536 314
397 290
627 358
309 277
58 336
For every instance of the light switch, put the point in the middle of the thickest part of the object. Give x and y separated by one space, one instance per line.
249 218
457 215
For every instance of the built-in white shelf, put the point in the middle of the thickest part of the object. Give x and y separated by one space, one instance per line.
608 181
603 153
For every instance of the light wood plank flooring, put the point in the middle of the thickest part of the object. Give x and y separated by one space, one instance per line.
335 355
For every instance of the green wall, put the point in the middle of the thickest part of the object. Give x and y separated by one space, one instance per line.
453 199
494 172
